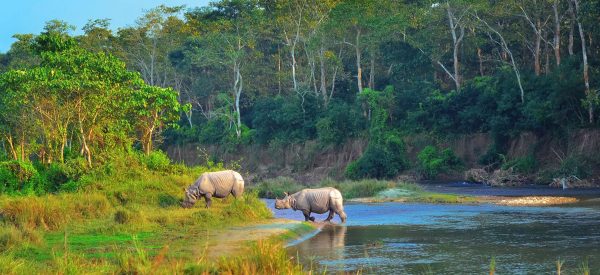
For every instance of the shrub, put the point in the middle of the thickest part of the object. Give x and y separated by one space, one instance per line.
521 165
19 177
156 161
122 216
381 160
360 189
340 122
274 188
432 161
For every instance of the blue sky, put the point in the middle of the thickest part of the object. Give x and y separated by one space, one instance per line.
29 16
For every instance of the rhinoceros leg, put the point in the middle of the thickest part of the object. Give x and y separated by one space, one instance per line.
208 199
307 216
342 215
330 216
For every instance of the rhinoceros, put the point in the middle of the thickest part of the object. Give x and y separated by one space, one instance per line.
318 201
214 184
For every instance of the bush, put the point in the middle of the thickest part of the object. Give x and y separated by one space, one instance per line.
274 188
524 165
122 216
156 161
432 161
380 160
360 189
20 177
340 122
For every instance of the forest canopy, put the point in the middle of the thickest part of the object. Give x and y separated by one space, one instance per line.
241 72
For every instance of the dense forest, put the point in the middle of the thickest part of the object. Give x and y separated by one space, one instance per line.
241 72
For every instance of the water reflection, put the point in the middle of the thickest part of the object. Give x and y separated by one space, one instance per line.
456 239
327 244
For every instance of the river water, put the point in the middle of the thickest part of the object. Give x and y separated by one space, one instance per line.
415 238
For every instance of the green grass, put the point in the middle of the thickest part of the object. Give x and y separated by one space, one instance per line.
129 222
375 190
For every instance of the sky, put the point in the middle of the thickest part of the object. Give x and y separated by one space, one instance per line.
30 16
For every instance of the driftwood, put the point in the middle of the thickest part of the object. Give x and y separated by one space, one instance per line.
497 178
571 182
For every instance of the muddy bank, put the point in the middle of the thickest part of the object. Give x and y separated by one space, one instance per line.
311 162
231 241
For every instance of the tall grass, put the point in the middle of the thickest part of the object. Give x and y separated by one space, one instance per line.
275 188
52 211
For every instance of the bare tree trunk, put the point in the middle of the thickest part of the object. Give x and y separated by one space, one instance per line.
571 37
556 32
586 77
537 52
323 87
480 58
237 87
11 144
358 65
456 40
502 43
372 73
278 71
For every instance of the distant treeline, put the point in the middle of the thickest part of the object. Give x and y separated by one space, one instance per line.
280 72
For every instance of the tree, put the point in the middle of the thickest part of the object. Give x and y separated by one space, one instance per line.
154 109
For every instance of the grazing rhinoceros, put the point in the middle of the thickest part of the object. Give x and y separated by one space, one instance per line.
214 184
314 200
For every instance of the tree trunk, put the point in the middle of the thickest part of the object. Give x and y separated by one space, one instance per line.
237 88
537 50
456 39
11 144
85 149
358 65
586 77
372 73
571 38
480 58
556 32
323 87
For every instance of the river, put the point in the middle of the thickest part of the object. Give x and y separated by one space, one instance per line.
416 238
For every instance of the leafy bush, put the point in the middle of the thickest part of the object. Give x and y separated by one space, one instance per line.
360 189
340 122
525 164
380 160
433 161
285 119
156 161
274 188
19 177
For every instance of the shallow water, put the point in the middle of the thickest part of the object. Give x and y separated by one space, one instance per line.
402 238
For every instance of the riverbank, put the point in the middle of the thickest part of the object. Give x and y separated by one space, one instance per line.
132 223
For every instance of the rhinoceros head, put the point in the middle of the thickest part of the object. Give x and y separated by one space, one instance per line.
189 199
283 203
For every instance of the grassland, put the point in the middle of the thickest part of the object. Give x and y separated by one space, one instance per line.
131 222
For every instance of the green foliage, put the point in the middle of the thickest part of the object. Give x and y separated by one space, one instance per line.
385 155
275 188
339 122
360 189
285 120
433 161
156 161
20 177
525 165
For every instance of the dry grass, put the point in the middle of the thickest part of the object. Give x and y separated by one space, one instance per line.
51 212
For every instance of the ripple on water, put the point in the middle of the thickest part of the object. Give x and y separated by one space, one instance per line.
415 238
